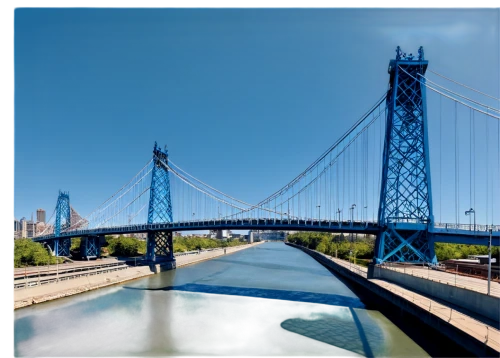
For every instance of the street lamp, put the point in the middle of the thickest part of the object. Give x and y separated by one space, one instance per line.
366 215
338 212
468 213
193 216
319 211
352 213
489 261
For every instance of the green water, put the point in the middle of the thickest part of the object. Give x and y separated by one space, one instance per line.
267 300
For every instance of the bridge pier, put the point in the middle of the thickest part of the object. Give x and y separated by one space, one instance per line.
160 248
60 247
404 246
90 246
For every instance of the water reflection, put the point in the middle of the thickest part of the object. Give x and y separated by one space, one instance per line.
267 300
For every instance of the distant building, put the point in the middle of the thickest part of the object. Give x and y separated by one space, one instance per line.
30 229
223 234
40 227
40 215
267 235
23 231
17 229
17 225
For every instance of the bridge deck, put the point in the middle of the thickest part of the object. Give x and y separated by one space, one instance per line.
442 232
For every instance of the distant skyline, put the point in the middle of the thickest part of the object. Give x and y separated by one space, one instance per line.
245 99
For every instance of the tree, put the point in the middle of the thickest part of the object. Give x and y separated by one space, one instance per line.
30 253
125 246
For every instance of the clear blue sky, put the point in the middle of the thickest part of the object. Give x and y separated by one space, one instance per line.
245 99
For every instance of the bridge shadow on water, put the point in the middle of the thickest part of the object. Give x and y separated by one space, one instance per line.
272 266
297 296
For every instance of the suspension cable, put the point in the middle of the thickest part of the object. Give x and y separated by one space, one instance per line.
352 129
461 84
459 95
447 96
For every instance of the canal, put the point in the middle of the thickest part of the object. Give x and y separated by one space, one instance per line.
268 300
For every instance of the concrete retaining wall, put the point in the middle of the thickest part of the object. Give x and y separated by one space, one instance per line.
463 339
487 306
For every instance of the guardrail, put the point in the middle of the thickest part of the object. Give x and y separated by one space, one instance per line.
453 279
53 273
467 227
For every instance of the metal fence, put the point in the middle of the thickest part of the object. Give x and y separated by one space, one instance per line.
468 227
42 275
448 278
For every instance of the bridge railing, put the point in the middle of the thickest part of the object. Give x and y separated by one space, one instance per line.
467 227
270 222
305 222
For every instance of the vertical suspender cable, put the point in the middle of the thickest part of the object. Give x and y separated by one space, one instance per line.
470 157
440 157
474 156
456 167
487 169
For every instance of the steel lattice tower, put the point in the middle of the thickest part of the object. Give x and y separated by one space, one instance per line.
405 211
63 221
160 207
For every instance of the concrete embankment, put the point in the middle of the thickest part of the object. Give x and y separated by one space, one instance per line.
472 336
31 295
482 304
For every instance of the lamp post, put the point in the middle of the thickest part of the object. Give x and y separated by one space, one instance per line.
366 214
352 214
489 261
468 213
319 211
338 212
193 216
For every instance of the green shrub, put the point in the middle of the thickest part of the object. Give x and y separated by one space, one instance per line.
30 253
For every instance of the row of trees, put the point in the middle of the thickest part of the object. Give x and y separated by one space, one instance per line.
362 247
445 251
30 253
183 244
336 245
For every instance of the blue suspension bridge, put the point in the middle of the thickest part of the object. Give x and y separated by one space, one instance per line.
380 166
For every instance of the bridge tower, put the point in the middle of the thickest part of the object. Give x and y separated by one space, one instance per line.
60 247
159 243
405 211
